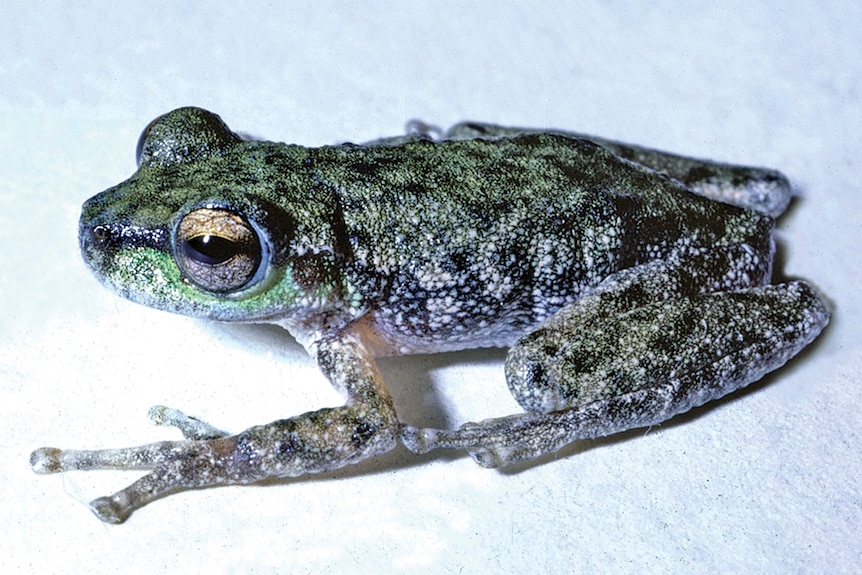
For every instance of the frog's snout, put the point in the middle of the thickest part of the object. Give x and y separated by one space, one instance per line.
100 240
96 236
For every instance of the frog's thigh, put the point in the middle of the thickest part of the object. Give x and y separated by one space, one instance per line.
589 377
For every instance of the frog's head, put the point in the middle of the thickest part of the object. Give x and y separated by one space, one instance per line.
214 226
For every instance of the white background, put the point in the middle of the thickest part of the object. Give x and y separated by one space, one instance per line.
765 481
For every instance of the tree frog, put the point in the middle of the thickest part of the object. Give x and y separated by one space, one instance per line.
630 284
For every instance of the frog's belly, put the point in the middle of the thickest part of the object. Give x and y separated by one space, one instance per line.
387 343
394 334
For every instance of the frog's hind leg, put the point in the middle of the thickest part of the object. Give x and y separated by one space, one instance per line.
585 375
760 189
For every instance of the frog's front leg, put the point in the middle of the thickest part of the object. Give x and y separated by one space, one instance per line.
586 374
308 443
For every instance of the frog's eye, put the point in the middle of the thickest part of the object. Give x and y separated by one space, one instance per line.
217 249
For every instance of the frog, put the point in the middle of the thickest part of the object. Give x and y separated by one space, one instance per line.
629 285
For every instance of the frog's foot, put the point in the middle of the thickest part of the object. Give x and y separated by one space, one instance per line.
174 465
417 131
155 456
191 427
491 443
308 443
506 440
162 458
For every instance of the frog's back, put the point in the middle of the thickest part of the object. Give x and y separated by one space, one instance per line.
482 239
491 178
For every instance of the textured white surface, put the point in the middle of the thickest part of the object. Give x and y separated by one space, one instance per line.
766 481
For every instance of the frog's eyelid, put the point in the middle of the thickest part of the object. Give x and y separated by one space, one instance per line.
186 133
139 148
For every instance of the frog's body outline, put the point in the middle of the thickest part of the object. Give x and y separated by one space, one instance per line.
627 285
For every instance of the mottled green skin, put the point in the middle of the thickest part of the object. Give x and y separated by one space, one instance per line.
442 245
627 296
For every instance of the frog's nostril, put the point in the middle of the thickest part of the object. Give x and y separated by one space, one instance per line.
101 234
99 237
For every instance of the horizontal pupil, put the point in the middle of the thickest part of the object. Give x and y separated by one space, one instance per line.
210 250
